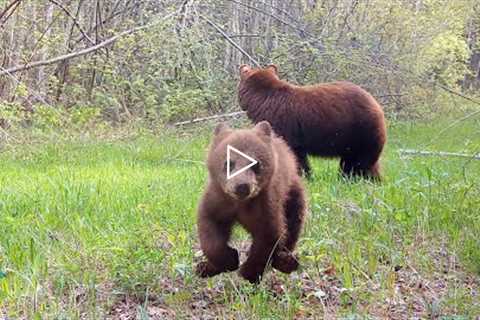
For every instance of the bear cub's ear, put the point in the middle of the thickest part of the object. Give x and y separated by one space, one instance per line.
221 127
264 127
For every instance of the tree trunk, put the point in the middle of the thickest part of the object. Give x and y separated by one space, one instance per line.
42 80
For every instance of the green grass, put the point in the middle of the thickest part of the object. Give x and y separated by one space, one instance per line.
94 228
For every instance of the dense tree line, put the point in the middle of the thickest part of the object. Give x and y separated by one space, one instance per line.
173 60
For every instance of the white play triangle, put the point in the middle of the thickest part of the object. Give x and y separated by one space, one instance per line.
251 164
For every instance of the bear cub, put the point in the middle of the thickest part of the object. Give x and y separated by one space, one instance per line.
268 200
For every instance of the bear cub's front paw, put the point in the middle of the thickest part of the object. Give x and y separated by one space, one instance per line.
251 274
230 263
285 262
205 269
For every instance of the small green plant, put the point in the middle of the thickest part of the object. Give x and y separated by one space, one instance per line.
84 115
185 103
47 117
11 112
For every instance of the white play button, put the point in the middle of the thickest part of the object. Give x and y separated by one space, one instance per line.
251 164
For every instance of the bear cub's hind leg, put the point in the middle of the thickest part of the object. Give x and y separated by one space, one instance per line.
284 260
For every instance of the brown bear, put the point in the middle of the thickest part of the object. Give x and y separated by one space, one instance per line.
267 199
337 119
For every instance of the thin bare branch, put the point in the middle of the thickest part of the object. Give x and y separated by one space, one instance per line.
75 22
9 10
81 52
230 40
451 125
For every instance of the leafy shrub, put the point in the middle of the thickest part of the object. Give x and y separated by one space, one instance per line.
47 117
446 59
84 115
11 112
182 103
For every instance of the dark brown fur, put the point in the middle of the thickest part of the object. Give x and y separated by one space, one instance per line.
336 119
272 210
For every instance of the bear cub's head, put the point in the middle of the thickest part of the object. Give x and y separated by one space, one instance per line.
255 143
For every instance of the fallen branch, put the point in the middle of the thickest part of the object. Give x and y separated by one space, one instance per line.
218 116
185 160
81 52
439 153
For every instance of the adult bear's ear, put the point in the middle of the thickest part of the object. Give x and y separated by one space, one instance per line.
264 127
273 67
221 127
244 70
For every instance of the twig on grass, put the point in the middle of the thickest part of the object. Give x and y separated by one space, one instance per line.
454 123
185 160
439 154
218 116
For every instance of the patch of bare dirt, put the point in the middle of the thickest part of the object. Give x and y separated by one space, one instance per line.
433 294
406 294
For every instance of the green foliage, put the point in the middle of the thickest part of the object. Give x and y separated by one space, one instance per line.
21 90
430 48
47 117
84 115
395 49
447 58
183 103
11 112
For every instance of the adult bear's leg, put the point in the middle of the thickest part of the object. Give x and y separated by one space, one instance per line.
303 163
364 165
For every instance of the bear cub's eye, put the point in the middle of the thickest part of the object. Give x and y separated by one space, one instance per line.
257 168
232 165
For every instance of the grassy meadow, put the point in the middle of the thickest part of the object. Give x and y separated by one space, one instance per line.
95 227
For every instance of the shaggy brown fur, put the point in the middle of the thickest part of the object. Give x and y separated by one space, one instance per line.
336 119
267 200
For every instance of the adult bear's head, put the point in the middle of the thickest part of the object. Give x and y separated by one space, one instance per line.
257 84
269 73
